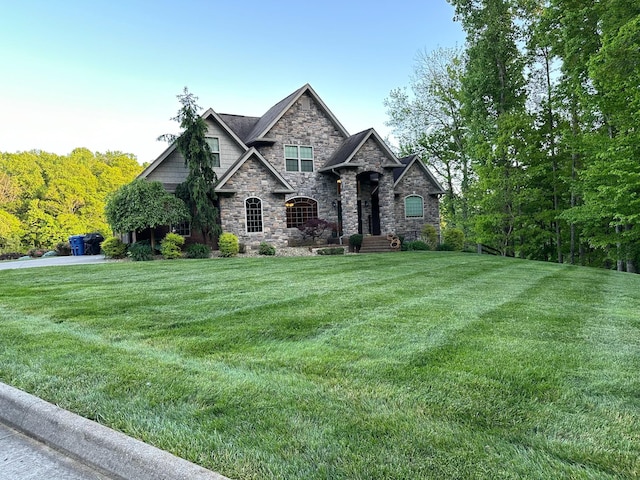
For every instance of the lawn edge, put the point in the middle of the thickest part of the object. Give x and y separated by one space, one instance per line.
93 444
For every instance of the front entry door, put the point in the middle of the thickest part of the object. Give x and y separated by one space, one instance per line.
375 215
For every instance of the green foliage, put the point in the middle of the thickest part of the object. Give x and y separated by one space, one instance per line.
454 237
52 197
330 251
10 232
418 245
429 234
197 250
171 246
143 204
428 119
198 190
228 245
355 240
266 249
445 247
113 247
140 252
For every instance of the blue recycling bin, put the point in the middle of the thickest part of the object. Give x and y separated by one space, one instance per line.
77 244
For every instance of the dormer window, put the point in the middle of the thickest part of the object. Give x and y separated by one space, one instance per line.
298 158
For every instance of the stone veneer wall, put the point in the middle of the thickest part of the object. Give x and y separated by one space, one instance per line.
415 182
253 179
306 124
373 157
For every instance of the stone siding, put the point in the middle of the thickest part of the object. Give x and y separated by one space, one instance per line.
306 124
253 179
415 182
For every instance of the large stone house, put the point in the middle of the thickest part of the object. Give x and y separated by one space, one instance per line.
298 162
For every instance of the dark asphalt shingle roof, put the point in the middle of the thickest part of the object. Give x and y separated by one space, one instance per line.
405 162
268 118
239 124
347 149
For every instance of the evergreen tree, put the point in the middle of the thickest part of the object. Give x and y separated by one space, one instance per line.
198 190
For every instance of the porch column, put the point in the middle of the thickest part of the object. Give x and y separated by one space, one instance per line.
387 203
349 199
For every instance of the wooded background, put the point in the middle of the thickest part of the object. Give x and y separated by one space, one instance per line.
533 127
45 198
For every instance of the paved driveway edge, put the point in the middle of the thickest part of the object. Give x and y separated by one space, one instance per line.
93 444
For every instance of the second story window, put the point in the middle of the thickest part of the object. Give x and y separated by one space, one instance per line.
298 158
214 145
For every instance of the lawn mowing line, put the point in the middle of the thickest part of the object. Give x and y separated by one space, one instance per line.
365 419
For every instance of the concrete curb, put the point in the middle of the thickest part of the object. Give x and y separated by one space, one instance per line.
93 444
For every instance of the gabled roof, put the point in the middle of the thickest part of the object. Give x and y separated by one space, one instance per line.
275 113
158 161
407 163
344 155
252 152
171 148
240 124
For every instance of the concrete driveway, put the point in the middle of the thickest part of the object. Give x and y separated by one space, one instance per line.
51 261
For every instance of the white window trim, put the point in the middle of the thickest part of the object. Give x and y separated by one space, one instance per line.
299 170
246 219
218 151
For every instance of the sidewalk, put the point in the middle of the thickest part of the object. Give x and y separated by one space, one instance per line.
39 440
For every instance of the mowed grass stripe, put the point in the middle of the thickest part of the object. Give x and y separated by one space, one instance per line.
408 366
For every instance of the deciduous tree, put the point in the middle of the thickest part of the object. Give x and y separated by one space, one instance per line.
142 204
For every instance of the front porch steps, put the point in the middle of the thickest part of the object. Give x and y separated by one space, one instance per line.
376 244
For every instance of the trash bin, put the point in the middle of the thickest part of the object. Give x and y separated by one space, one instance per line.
77 244
92 243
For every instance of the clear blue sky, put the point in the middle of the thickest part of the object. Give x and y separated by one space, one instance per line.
104 74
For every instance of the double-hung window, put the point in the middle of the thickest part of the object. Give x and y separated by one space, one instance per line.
214 146
298 158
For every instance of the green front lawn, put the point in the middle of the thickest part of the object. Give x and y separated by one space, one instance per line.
398 366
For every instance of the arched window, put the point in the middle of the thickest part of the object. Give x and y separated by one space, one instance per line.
253 208
413 206
299 210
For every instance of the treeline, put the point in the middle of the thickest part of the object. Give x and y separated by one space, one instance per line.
534 128
45 198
